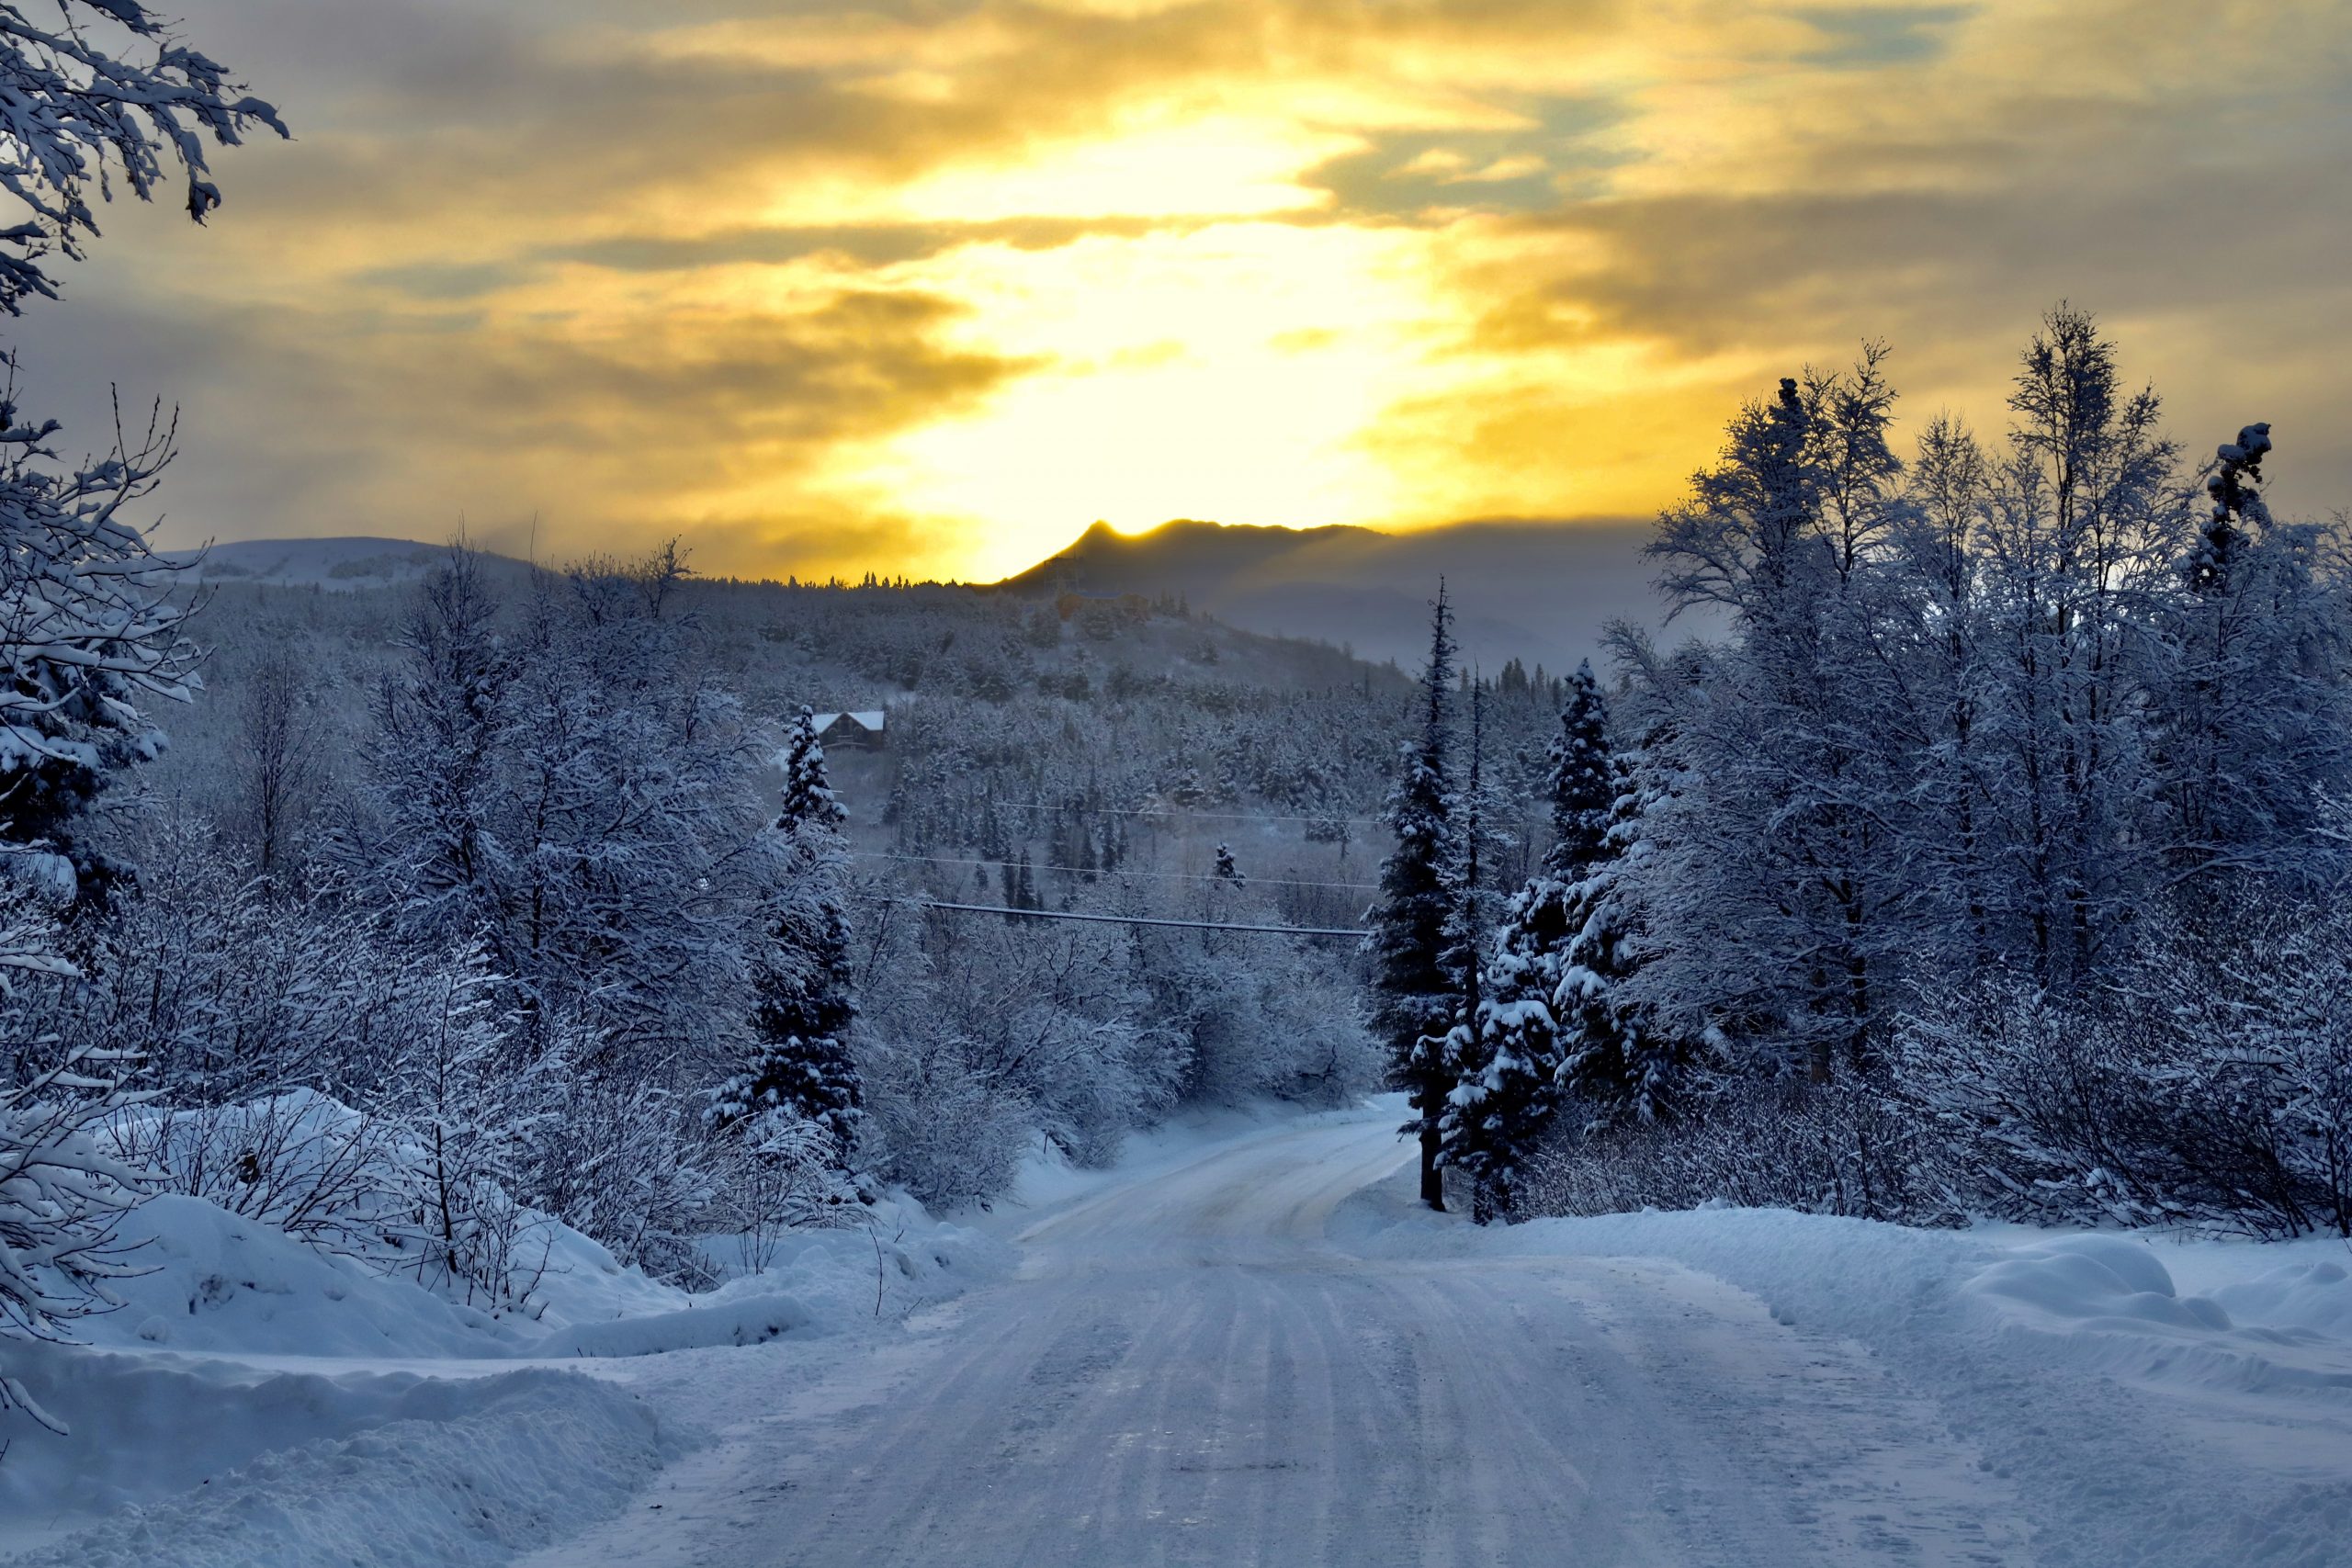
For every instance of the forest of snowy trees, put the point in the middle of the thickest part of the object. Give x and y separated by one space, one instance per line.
411 922
1987 856
1992 860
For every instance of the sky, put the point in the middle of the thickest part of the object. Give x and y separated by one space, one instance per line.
928 287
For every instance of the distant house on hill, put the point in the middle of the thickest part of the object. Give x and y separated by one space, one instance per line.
863 730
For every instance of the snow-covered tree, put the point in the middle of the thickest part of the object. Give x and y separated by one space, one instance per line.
1615 1061
1506 1048
2253 725
1415 991
808 798
86 635
441 723
2082 537
104 90
464 1100
1770 876
89 639
563 777
801 1065
61 1190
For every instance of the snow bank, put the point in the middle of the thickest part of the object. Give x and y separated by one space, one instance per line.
2171 1404
815 1283
2109 1303
257 1401
217 1282
502 1465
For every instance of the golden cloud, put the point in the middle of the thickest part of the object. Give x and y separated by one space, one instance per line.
927 288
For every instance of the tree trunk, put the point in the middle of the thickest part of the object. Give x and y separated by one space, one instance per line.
1432 1179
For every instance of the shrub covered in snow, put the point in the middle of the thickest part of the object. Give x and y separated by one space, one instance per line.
1851 1148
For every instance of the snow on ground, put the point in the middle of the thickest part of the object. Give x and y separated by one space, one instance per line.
2158 1401
1246 1343
256 1401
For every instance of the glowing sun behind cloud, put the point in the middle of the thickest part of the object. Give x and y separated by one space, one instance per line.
827 288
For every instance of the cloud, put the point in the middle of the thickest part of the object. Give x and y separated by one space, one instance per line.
940 282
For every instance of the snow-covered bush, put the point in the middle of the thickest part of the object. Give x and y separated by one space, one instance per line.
1258 1017
628 1162
1050 1020
296 1159
778 1173
465 1098
937 1126
2209 1084
1851 1148
61 1193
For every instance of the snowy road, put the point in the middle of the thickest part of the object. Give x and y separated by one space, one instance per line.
1190 1371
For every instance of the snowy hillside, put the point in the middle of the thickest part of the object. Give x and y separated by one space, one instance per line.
1537 592
340 565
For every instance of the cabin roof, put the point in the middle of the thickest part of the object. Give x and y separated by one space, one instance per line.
869 719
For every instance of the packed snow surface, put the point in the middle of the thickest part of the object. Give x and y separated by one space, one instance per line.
1246 1345
258 1402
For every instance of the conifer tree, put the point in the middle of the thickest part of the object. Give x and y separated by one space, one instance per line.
1507 1049
801 1012
1414 991
1615 1062
809 799
1459 1057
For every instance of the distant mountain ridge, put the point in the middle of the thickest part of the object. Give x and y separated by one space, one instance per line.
1537 590
339 564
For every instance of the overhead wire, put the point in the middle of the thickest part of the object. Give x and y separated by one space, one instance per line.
1124 919
1181 811
1119 871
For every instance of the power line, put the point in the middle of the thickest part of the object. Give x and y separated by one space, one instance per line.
1121 871
1122 920
1179 811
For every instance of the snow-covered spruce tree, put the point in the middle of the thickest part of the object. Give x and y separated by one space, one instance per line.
1508 1050
85 634
801 1066
1616 1062
1414 991
1462 1054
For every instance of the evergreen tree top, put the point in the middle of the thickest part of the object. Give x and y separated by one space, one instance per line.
808 798
1581 786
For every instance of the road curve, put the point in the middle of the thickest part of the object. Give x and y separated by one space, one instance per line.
1188 1371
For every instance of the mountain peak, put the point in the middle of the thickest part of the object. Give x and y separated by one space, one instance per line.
1181 554
1538 590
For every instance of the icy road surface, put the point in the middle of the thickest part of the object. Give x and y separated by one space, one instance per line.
1190 1369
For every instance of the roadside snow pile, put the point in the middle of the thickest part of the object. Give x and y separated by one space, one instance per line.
471 1473
2119 1310
2171 1404
2314 1297
810 1283
216 1280
259 1401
